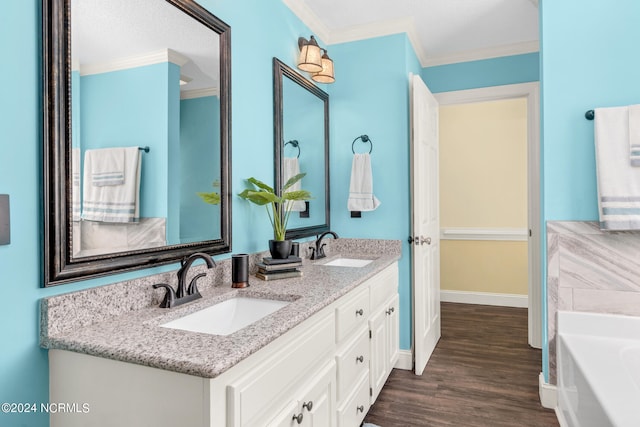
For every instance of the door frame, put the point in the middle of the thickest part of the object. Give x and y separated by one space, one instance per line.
531 92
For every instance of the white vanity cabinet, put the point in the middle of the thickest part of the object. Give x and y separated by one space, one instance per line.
325 372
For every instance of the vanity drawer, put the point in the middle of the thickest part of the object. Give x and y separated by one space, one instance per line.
265 389
353 411
384 285
352 362
352 313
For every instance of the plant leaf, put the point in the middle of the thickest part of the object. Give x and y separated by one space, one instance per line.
259 197
211 198
260 184
293 180
297 195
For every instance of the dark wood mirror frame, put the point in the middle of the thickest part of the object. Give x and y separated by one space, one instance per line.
59 265
281 71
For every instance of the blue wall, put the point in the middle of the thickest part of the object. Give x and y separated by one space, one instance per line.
139 100
591 63
372 97
200 163
483 73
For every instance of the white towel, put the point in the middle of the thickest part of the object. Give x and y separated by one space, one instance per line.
112 203
361 197
291 169
634 135
75 183
109 169
618 182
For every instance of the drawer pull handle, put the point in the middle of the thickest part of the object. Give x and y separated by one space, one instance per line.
391 310
298 418
307 406
360 359
360 312
360 408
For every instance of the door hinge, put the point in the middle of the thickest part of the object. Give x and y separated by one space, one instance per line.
530 234
370 335
370 391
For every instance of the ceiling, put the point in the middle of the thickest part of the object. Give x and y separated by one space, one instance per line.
441 31
110 35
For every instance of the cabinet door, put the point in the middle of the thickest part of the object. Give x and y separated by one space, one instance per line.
378 353
318 404
286 417
393 333
315 403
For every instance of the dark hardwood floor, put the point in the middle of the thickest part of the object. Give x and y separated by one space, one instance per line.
482 374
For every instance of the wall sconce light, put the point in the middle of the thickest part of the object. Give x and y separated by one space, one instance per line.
315 60
310 59
326 74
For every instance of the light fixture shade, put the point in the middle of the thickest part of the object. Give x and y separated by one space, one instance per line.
310 59
326 74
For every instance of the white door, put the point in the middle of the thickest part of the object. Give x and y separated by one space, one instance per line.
425 236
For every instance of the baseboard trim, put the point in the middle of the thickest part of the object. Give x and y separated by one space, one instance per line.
485 298
405 360
548 393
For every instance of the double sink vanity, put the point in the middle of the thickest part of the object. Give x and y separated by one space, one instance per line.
314 350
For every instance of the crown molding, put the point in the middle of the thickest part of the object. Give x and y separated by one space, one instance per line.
163 55
309 18
199 93
479 54
397 26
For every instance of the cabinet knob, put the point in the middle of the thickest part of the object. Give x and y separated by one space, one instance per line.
298 418
360 359
360 408
360 312
391 310
307 406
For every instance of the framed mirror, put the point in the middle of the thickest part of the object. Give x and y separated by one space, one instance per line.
301 137
137 134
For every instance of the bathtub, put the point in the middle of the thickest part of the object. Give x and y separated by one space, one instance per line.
598 370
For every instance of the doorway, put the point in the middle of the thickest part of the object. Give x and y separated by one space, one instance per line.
528 232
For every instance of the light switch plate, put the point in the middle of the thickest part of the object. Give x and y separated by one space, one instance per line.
5 224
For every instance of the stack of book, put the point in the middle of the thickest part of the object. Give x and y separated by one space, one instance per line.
272 269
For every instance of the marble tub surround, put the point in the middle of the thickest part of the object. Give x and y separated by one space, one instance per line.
131 333
589 270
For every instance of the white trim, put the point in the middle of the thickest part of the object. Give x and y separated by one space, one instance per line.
495 234
405 360
530 91
560 416
199 93
480 54
309 18
485 298
548 393
163 55
397 26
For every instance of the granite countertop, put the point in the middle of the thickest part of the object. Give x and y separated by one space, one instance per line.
135 336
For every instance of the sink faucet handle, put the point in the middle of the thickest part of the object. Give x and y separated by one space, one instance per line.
193 289
169 296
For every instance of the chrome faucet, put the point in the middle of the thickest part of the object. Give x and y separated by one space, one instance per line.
185 294
318 251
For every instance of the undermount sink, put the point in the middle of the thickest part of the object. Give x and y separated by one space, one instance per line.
227 316
348 262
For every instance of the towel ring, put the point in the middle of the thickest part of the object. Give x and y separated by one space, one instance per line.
296 144
364 139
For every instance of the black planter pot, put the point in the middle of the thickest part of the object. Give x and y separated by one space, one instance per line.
280 249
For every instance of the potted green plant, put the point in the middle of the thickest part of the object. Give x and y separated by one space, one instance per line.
278 209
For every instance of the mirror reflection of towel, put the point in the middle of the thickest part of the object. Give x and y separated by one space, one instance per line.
75 183
291 168
112 203
361 197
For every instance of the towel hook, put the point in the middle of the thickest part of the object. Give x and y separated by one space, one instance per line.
365 139
589 115
296 144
